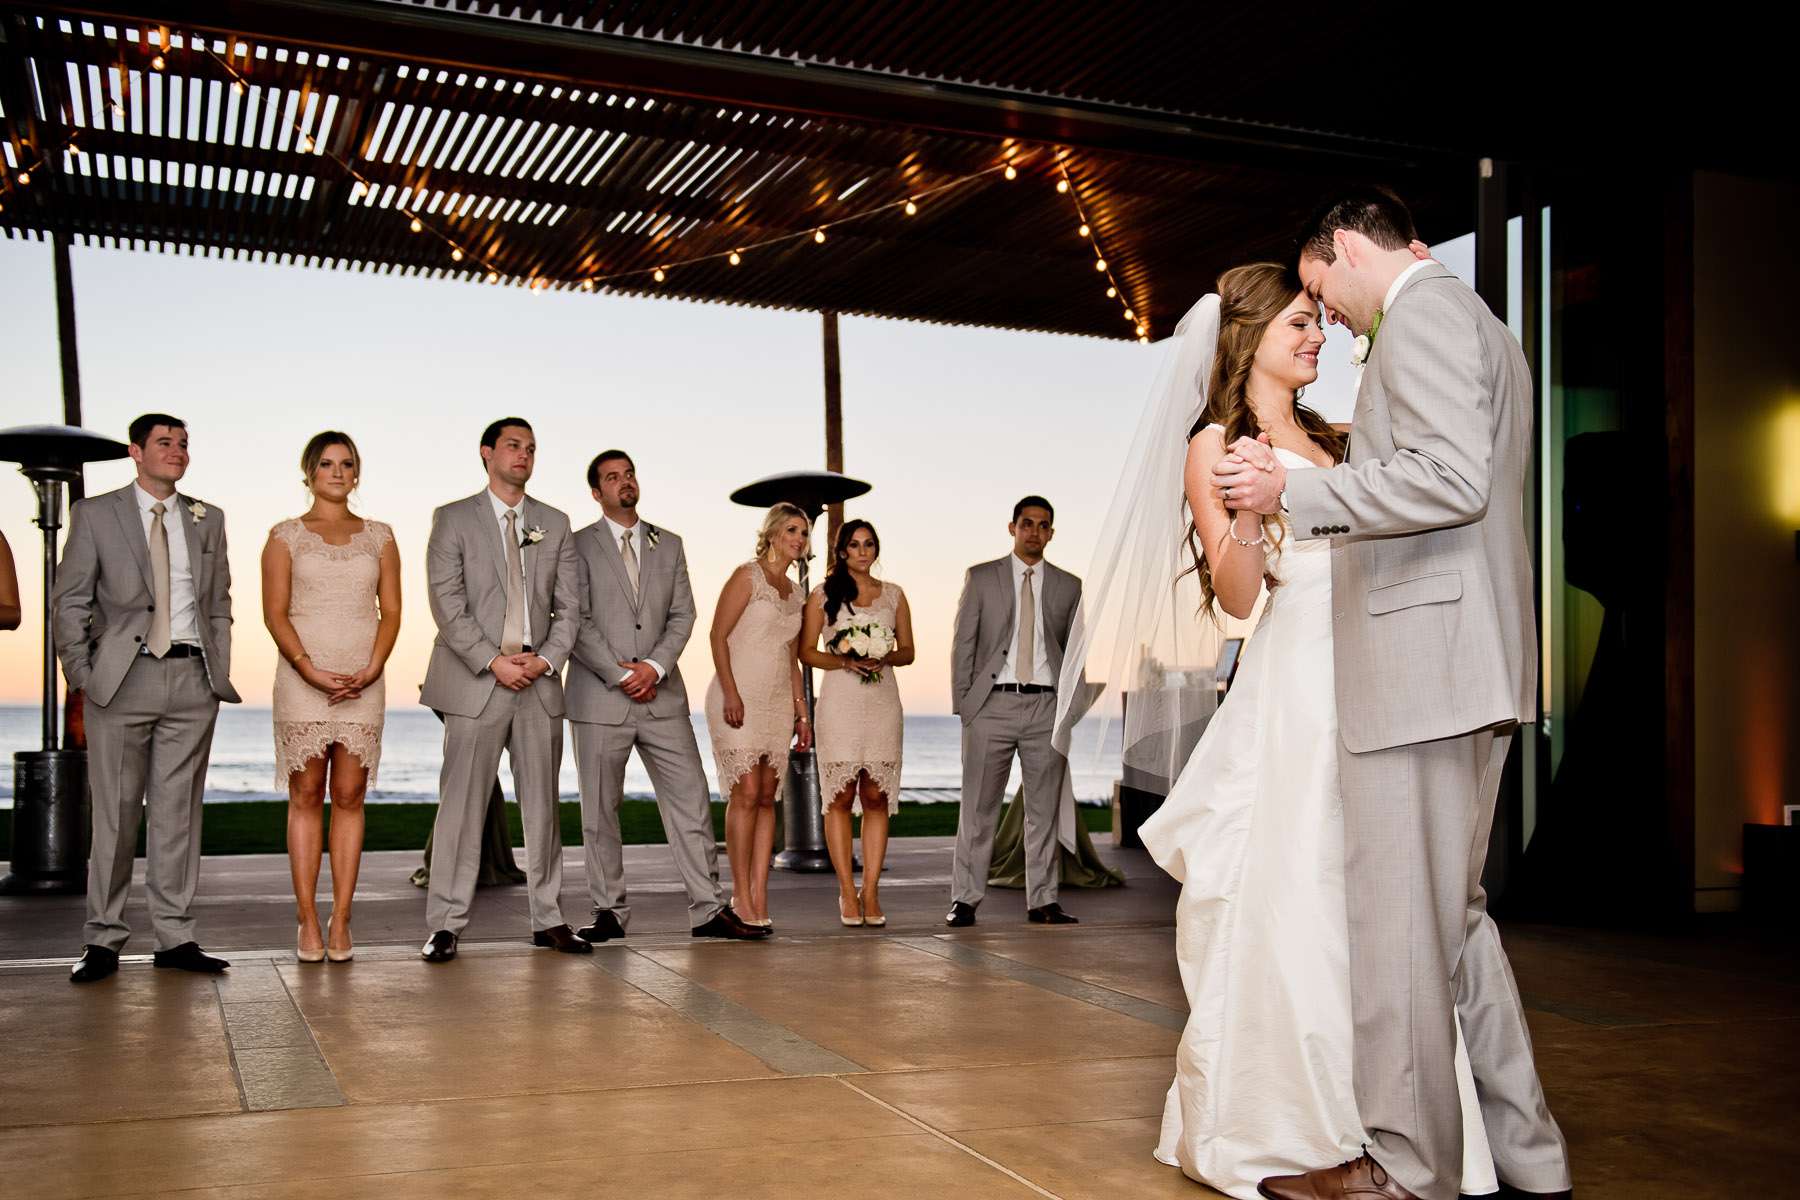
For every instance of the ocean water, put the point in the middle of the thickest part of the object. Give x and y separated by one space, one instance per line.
243 757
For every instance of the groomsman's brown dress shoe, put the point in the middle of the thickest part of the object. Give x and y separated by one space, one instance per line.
1050 914
189 957
605 927
727 924
96 963
561 939
439 948
1361 1178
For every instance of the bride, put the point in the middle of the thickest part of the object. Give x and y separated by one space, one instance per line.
1253 826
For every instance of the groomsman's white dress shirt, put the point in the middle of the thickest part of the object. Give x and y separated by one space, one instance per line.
518 511
1040 658
182 607
618 533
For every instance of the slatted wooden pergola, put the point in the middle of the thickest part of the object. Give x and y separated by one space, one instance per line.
590 145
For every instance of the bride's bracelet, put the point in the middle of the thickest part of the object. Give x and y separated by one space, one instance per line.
1261 534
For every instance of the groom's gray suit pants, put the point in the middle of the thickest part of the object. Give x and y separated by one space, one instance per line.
1423 953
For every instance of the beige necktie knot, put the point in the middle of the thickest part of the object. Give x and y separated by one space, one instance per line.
158 640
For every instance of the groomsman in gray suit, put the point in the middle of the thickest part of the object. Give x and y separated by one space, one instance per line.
501 571
1012 624
1434 644
142 624
624 690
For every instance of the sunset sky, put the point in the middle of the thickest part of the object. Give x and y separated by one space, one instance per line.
950 425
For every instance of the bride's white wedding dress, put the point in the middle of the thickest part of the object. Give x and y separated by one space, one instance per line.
1253 829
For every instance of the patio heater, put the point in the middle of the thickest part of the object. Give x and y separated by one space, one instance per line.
50 797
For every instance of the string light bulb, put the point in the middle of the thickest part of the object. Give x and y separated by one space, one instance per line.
1112 293
24 177
358 190
493 277
1084 230
736 258
1062 187
1130 316
587 285
658 275
1012 172
306 147
456 254
418 226
158 63
1099 264
818 235
237 85
912 209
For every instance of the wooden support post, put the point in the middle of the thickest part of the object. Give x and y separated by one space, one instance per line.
65 336
834 426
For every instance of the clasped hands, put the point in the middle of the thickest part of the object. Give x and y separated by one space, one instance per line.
516 672
640 682
1250 477
337 686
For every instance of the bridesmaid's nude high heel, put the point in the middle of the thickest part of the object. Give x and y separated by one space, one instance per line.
872 922
851 922
304 955
340 956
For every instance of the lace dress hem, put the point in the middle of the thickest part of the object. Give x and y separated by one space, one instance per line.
299 742
834 777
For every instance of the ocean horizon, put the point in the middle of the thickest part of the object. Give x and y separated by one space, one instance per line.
243 758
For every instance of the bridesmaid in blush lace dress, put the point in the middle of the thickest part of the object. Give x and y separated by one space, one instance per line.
755 706
331 600
859 713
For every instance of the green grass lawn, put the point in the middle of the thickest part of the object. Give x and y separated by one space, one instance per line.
260 826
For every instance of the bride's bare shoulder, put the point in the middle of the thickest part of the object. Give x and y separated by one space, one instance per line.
1207 443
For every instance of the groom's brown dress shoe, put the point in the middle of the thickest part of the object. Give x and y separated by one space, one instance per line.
1359 1179
561 939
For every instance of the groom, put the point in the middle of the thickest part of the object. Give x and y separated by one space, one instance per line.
1435 670
500 569
625 690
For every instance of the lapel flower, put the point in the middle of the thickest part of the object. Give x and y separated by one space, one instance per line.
651 535
198 510
532 536
1359 353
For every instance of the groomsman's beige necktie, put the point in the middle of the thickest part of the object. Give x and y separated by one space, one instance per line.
512 630
631 563
1027 631
158 640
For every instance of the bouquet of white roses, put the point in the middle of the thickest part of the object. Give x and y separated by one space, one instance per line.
869 640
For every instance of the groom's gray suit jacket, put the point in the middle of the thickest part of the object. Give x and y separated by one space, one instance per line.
617 627
1434 630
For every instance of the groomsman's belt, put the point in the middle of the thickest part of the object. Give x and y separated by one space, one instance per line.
180 650
1027 689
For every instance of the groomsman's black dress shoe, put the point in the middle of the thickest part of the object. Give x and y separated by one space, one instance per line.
441 947
1050 914
727 924
960 916
561 939
605 928
96 963
189 957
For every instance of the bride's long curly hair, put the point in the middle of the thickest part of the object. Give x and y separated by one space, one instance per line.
1250 298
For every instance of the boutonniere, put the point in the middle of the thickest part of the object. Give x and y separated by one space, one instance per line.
1365 342
532 536
651 535
198 510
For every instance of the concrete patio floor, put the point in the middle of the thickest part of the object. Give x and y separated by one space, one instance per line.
1005 1060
